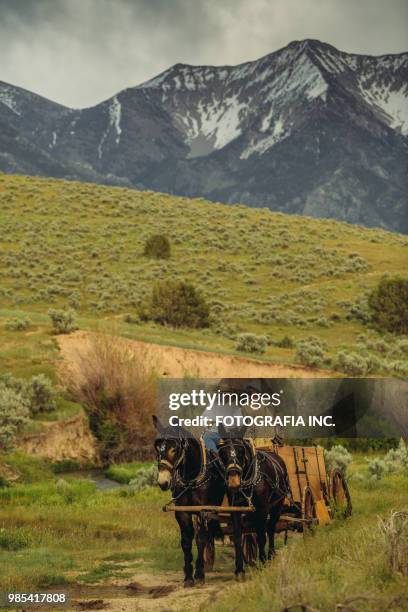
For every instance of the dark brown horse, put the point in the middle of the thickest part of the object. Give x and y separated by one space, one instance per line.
254 478
194 475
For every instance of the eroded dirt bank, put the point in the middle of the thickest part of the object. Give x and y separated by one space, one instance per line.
68 439
72 439
176 362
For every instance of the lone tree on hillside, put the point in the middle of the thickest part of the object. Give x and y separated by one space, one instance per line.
388 304
178 304
157 246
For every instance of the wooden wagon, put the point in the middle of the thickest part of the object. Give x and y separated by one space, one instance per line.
317 496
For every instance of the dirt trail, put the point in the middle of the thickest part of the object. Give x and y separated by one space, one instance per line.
176 362
147 593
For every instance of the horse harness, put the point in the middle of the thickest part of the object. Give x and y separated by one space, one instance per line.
178 481
254 473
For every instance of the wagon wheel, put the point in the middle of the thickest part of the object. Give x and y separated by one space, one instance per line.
308 508
209 554
340 493
249 548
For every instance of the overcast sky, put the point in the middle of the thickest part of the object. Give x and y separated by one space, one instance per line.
79 52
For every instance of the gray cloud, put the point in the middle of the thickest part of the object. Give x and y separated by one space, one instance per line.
79 52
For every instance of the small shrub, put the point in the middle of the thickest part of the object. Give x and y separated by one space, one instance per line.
373 363
401 346
18 324
41 394
178 304
400 367
397 458
376 468
63 321
145 477
359 310
14 413
388 304
338 457
350 363
286 342
310 352
251 343
74 299
157 246
395 532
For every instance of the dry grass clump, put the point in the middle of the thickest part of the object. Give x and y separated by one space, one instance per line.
395 531
116 386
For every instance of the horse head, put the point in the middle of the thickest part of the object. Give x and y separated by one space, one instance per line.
170 446
233 454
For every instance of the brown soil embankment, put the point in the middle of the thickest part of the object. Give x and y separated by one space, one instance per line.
177 362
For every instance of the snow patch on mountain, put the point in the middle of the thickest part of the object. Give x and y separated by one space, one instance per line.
317 90
227 125
217 123
53 141
334 63
279 132
184 77
393 103
303 78
266 121
115 114
7 98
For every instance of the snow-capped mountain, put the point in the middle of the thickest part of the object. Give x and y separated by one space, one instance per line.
307 130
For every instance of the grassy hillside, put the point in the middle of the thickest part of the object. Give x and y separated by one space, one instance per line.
71 244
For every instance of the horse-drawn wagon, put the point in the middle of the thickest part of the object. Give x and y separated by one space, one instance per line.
315 496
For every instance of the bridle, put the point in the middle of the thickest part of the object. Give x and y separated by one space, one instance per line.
165 463
179 484
249 472
233 465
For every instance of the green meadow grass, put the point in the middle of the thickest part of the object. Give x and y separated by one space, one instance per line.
67 528
61 530
72 244
125 472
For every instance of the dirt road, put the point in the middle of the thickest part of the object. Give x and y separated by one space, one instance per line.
148 593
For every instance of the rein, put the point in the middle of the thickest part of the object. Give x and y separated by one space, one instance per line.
201 477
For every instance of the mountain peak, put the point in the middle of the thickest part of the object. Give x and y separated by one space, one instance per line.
309 43
307 129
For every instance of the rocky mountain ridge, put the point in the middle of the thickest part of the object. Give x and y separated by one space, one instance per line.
307 130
